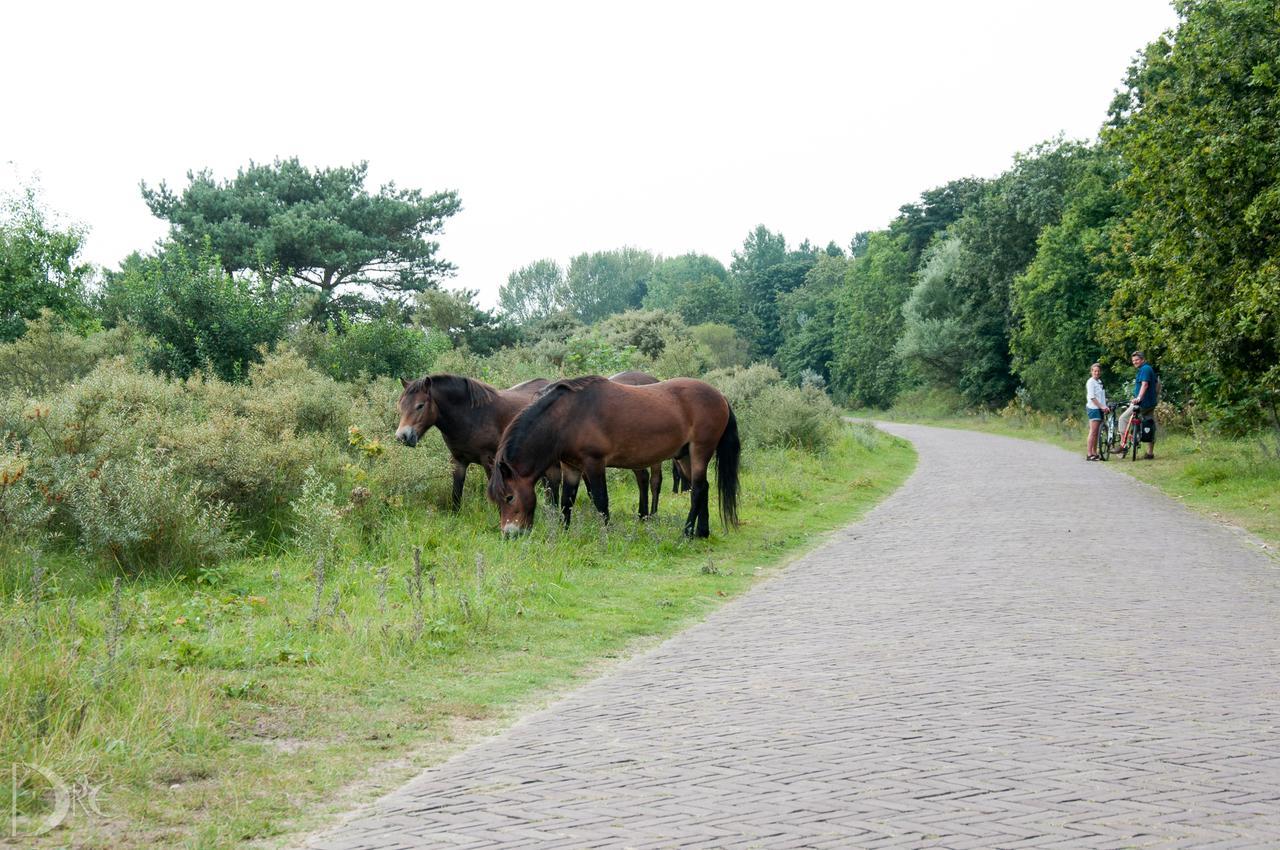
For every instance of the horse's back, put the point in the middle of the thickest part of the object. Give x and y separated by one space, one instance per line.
529 387
633 378
692 407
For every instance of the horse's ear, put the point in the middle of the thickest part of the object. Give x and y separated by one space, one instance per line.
404 383
505 469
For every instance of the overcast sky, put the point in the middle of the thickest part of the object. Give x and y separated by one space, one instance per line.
566 127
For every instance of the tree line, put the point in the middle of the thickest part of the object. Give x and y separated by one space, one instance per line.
1159 234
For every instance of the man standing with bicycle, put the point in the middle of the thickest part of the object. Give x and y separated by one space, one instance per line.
1146 394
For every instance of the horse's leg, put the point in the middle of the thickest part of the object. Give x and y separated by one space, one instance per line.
568 491
680 470
459 478
597 486
698 523
552 480
642 484
655 488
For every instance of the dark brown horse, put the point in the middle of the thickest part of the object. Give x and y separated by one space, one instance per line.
679 480
470 414
592 423
648 481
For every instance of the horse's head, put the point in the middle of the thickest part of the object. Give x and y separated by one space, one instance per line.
418 411
515 497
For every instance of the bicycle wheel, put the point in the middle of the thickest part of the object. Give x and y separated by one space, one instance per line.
1135 431
1104 439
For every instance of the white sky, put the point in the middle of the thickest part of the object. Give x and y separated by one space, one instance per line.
566 127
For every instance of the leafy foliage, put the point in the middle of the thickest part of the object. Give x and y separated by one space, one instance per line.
321 226
606 282
998 233
1199 248
200 316
762 271
532 292
868 321
1056 303
456 316
379 347
807 319
38 268
934 340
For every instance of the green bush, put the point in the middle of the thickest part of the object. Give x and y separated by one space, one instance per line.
784 416
198 315
681 358
51 353
594 355
741 384
725 348
140 513
23 509
773 413
647 331
349 350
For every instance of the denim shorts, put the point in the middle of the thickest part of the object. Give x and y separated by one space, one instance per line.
1094 413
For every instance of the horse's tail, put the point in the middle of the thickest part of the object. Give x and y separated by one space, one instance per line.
728 453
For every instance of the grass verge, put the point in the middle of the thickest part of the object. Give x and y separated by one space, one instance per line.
1234 480
251 702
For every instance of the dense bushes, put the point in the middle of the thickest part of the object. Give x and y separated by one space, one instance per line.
198 315
148 471
772 413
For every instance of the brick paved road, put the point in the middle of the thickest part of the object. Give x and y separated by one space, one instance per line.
975 665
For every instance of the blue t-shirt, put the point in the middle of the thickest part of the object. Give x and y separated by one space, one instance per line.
1146 373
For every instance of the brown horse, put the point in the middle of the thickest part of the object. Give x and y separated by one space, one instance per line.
470 414
592 423
648 481
679 479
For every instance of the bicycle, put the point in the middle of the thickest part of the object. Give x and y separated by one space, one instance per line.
1131 440
1108 432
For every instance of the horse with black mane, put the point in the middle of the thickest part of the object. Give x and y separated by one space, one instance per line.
588 424
470 414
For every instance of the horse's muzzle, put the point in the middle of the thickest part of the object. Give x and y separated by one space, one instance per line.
408 435
511 529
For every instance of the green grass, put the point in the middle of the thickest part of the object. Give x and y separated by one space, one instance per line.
256 699
1234 480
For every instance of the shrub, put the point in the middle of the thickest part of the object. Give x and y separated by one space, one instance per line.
724 347
139 513
742 384
200 316
647 331
681 358
51 353
356 349
315 520
23 509
784 416
286 396
593 355
772 413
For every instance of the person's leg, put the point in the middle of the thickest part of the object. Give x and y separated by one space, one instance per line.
1092 444
1124 425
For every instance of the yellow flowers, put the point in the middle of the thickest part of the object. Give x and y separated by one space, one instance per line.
357 440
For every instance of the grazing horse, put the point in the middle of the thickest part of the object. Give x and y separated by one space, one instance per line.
679 480
470 414
648 481
591 423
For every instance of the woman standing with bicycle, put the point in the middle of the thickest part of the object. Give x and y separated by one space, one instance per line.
1095 408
